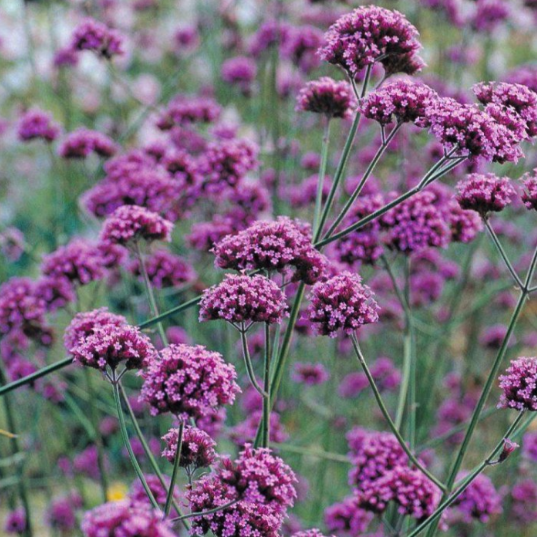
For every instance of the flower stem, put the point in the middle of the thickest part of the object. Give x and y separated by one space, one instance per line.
208 512
123 427
265 436
248 362
322 174
149 291
176 462
387 416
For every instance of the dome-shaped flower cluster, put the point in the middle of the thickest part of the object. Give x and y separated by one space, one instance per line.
342 302
93 35
479 501
126 519
519 385
529 194
328 97
197 449
81 143
240 298
183 110
261 482
372 34
272 246
130 223
112 345
36 124
484 193
188 381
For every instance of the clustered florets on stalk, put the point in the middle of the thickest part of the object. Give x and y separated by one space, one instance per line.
36 124
197 448
244 299
80 143
342 302
328 97
188 381
484 193
519 385
97 37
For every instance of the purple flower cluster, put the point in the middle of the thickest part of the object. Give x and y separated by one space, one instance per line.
61 513
404 101
97 37
416 224
245 431
131 223
37 124
386 375
524 498
190 382
372 34
263 486
81 143
272 246
484 193
111 345
183 110
240 71
197 449
79 262
15 523
240 298
127 519
328 97
519 385
529 194
310 374
165 269
342 302
472 132
347 517
479 501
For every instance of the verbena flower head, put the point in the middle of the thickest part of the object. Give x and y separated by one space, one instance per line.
112 345
519 385
127 519
372 34
79 261
61 514
524 498
15 523
464 225
529 194
165 269
342 302
328 97
346 517
243 299
21 309
184 110
515 97
37 124
240 71
479 501
310 374
56 292
130 223
484 193
85 324
272 246
473 132
81 143
261 482
197 450
402 101
416 224
188 381
97 37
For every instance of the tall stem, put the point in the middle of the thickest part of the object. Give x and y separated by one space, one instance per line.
149 291
322 174
132 456
387 416
265 436
176 462
248 362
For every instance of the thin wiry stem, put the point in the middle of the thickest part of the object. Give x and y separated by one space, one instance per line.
321 176
205 513
176 462
248 362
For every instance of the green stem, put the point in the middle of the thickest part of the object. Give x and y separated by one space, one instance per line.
147 449
149 291
265 436
340 170
502 253
208 512
361 184
176 462
123 427
322 174
387 416
248 362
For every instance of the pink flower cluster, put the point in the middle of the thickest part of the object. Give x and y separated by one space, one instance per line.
190 382
243 299
328 97
36 124
484 193
519 385
272 246
165 269
372 34
197 449
342 302
81 143
183 110
97 37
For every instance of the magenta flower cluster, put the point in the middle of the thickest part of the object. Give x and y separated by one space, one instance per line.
130 223
328 97
272 246
188 381
519 385
243 299
371 34
342 302
36 124
81 143
197 449
484 193
97 37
